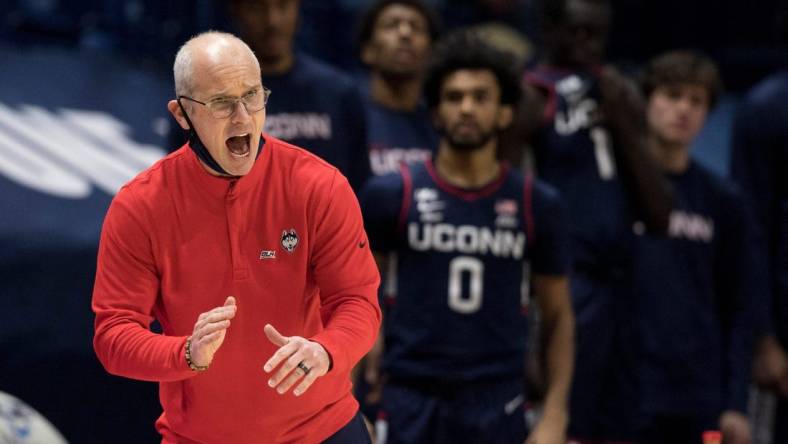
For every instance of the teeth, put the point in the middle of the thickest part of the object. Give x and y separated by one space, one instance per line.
239 145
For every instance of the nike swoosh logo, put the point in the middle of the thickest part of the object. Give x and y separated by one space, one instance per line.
362 244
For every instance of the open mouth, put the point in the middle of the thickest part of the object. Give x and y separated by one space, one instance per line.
239 146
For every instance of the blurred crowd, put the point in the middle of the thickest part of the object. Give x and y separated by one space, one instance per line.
678 274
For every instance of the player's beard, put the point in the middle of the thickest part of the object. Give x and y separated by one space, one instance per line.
467 144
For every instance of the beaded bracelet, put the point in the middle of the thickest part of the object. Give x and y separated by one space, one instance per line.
192 365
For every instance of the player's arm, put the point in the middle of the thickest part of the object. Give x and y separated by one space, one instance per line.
550 264
755 166
381 204
740 289
531 111
374 359
552 293
623 111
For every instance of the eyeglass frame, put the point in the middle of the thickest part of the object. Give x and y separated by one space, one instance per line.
235 101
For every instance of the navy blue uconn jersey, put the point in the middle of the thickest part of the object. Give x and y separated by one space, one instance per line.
696 290
462 259
573 152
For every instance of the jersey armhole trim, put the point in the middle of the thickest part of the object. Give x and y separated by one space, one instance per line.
407 192
528 212
551 105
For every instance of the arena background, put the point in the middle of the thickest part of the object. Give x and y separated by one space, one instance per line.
83 87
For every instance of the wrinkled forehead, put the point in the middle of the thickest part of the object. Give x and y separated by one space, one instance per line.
225 65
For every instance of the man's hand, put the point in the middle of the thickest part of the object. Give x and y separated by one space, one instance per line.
372 374
209 331
770 367
300 359
735 428
551 429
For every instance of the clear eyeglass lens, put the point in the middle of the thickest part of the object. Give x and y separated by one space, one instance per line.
253 102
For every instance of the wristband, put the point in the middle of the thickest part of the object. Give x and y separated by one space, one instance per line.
192 365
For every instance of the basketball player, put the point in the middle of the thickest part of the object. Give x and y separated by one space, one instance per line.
471 236
395 39
587 129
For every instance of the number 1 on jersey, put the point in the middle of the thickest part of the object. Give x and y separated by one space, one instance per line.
605 162
472 301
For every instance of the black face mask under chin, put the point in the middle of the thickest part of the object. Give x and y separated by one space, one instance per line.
202 152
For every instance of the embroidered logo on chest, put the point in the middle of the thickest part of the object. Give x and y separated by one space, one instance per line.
289 240
429 207
506 213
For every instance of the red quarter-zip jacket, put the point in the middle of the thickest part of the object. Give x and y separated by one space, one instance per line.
177 241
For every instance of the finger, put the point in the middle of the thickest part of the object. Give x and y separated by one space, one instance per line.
290 365
211 337
305 383
291 379
215 316
280 355
230 301
210 328
223 312
274 336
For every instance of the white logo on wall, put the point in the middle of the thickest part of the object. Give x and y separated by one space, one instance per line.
67 151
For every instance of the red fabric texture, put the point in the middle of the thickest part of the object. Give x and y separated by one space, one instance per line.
177 241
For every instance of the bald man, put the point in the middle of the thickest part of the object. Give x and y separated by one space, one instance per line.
252 256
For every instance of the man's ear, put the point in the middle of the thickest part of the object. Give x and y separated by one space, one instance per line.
505 116
177 112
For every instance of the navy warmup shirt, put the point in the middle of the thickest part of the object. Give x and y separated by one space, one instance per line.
394 137
319 108
695 293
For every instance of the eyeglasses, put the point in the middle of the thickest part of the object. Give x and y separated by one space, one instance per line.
225 107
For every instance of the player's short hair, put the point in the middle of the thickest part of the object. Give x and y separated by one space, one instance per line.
467 50
682 67
366 25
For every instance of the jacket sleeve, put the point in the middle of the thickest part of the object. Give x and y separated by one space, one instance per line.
124 295
755 167
741 291
344 269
